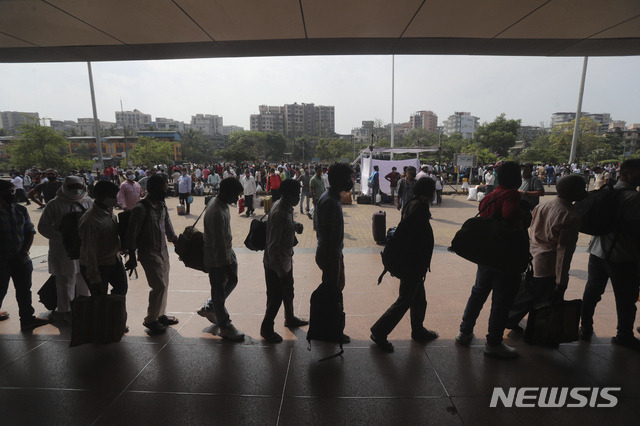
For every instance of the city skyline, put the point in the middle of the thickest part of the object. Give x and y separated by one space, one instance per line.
359 87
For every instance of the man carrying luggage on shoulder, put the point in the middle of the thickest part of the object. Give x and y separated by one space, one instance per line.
278 261
148 231
220 259
328 223
503 202
616 256
554 235
412 295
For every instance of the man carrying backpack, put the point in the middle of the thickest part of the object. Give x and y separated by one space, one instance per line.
278 261
554 234
615 256
71 197
148 231
503 202
328 223
417 248
100 260
220 259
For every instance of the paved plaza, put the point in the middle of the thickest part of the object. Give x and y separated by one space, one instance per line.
190 376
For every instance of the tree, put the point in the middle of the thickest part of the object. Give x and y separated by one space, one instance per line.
196 146
588 140
499 135
44 147
150 152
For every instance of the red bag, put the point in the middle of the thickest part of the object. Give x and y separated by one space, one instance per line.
240 205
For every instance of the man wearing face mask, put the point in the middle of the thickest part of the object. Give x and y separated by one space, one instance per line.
130 192
220 259
148 231
100 260
278 261
16 237
48 189
71 196
185 185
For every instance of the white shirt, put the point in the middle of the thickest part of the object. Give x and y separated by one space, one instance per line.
184 184
198 173
490 179
249 184
325 179
17 182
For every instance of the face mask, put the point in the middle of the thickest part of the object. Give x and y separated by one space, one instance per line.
77 191
131 177
110 202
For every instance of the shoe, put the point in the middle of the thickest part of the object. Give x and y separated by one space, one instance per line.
501 351
32 323
208 314
424 335
515 329
230 332
630 342
271 337
382 343
4 316
464 339
585 334
168 320
295 322
126 329
345 339
155 328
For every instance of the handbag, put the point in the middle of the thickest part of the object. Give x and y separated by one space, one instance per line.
257 238
49 294
492 242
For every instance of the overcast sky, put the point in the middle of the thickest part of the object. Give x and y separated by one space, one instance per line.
529 88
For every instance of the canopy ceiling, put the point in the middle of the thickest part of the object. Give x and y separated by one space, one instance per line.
109 30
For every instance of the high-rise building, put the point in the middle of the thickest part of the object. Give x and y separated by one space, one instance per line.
461 122
295 119
169 124
364 132
208 124
133 120
11 120
427 120
530 133
227 130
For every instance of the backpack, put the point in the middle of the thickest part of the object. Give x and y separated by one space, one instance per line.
69 231
257 238
599 211
326 318
190 247
401 257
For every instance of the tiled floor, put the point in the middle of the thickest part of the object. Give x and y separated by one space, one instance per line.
189 376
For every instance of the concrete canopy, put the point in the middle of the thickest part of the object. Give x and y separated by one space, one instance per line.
111 30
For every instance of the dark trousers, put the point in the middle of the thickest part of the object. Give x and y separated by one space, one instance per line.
412 297
109 274
534 291
328 271
438 196
20 272
183 200
505 288
279 292
625 283
248 204
223 281
304 195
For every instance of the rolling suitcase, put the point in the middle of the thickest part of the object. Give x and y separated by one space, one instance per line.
345 198
380 227
181 209
552 323
267 201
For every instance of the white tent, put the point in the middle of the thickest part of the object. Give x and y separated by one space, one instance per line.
384 166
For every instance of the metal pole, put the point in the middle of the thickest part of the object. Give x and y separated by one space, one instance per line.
576 127
393 100
439 151
96 123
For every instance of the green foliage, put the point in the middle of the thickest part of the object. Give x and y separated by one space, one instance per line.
334 149
150 151
44 147
254 146
196 146
419 137
588 140
541 151
499 135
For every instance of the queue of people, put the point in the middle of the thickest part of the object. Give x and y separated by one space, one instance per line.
553 229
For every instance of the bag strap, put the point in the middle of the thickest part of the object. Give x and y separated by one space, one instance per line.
203 210
493 200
